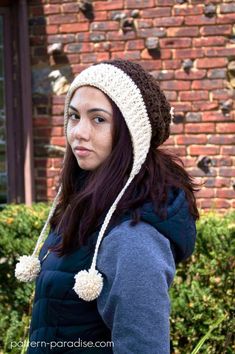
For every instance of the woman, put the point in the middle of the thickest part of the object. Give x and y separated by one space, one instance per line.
123 217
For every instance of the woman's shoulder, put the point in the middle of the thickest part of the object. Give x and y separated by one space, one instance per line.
140 245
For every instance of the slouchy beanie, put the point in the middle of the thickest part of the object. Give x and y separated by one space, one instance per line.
147 114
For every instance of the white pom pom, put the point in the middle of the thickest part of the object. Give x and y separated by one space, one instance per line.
88 284
27 268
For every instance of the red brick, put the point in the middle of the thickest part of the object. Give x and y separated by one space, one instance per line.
227 171
57 109
199 20
101 15
57 120
175 42
175 85
51 9
132 4
221 139
79 48
189 161
214 30
182 32
213 116
211 63
200 128
74 27
208 84
53 29
222 94
105 26
204 106
59 19
150 65
228 150
102 46
73 58
144 23
118 46
217 182
229 18
130 55
61 38
168 21
108 5
70 8
221 203
171 64
191 139
176 128
197 172
217 73
117 36
208 41
57 141
89 58
191 75
156 12
102 56
225 127
188 53
83 37
203 150
188 10
226 8
135 44
170 95
163 74
151 32
164 2
193 95
222 52
205 193
57 162
58 100
182 106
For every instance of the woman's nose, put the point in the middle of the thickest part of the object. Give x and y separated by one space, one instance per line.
82 129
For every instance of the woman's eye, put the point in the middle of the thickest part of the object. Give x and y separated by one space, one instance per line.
73 116
99 119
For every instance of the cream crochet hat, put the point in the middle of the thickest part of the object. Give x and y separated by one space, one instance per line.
128 95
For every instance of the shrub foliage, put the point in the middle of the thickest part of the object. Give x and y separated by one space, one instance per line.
202 292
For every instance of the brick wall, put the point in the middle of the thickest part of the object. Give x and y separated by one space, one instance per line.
189 46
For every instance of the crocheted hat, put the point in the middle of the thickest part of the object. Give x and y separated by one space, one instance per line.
147 115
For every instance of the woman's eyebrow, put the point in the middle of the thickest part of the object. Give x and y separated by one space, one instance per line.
91 110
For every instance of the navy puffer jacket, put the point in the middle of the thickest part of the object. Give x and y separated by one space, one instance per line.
138 266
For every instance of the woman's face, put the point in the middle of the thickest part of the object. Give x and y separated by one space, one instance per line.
90 126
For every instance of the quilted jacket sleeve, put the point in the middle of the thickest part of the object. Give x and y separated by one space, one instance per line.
138 268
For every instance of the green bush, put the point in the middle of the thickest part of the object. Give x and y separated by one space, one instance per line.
201 293
19 229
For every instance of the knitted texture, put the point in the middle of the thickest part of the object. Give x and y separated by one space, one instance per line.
127 96
158 108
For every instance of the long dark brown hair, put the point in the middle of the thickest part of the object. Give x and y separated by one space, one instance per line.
87 195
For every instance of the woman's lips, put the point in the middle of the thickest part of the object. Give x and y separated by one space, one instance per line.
82 152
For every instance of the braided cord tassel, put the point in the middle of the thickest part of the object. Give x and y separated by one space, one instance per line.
88 284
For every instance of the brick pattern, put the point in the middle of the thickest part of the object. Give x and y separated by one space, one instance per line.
203 129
